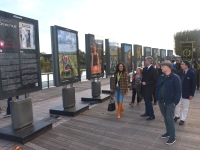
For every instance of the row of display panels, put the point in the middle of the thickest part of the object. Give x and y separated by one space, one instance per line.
20 71
132 58
65 55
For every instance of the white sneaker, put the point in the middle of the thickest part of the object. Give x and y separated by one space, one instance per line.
5 116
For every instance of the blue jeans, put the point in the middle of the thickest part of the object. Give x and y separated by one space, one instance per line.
8 105
148 107
168 114
118 96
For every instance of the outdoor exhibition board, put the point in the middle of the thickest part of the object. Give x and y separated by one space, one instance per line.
111 56
94 55
147 52
156 54
162 55
170 54
65 55
127 56
138 56
20 71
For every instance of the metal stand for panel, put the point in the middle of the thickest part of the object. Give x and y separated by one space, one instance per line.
111 82
69 107
23 129
96 92
96 87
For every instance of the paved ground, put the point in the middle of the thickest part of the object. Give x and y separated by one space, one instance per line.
98 129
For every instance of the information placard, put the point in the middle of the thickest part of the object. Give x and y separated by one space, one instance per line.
20 71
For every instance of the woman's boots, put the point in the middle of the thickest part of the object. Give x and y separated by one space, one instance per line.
119 110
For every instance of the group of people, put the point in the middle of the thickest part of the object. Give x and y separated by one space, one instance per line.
168 86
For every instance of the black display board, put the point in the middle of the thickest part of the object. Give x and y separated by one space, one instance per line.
94 56
162 55
65 55
127 56
156 54
119 54
138 56
111 56
169 54
147 52
20 71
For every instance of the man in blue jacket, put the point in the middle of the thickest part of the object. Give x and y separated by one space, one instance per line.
188 78
168 93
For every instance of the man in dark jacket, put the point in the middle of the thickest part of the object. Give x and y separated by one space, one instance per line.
149 80
188 78
168 93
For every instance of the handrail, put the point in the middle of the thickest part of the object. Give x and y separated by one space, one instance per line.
46 73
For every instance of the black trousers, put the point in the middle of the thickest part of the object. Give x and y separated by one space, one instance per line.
134 93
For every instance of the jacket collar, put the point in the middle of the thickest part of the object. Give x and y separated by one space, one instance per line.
170 75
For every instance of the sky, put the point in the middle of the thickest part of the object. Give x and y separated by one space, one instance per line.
150 23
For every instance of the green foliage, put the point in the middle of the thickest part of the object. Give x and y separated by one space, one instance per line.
82 59
190 35
44 63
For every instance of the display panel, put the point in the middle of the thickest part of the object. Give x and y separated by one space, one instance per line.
155 55
187 52
138 56
94 54
162 55
20 71
119 54
127 56
170 54
65 55
147 52
111 56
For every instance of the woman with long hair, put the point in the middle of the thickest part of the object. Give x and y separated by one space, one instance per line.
120 86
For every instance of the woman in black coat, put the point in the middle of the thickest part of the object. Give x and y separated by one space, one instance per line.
158 68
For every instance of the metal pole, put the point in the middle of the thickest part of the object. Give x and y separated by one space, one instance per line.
48 79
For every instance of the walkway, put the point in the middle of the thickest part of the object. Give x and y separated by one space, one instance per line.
98 129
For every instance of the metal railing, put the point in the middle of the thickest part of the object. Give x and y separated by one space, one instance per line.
47 80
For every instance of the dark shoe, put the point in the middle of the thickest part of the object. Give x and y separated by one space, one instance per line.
144 115
150 118
131 104
176 118
171 141
181 122
166 135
